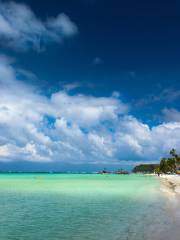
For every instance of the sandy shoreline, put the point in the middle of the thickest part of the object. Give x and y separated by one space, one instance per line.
170 184
170 187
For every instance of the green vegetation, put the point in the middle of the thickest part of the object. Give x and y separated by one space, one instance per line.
145 168
169 165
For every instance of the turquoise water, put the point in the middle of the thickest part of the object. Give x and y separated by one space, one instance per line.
79 207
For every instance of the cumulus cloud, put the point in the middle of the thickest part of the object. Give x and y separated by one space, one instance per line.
54 126
88 110
74 128
22 30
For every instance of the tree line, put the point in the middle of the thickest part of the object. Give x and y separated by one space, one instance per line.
170 164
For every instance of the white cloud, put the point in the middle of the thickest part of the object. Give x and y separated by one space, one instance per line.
87 110
22 30
74 128
62 25
72 86
4 151
140 141
171 114
165 95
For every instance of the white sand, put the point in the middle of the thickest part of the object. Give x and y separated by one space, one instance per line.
172 182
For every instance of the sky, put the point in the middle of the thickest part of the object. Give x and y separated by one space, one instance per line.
88 84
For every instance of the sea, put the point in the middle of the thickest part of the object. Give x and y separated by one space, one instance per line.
85 207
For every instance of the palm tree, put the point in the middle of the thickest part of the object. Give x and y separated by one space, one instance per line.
175 156
171 165
173 153
163 165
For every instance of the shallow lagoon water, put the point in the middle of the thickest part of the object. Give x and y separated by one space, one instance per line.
82 206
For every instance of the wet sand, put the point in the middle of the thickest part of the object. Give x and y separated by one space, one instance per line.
170 187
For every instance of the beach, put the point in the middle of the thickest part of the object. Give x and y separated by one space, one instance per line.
171 182
170 187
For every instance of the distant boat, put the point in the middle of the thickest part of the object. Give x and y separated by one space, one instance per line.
117 172
121 172
104 172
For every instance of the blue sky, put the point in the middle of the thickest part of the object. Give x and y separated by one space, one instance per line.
86 84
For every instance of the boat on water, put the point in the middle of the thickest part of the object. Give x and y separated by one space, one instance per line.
116 172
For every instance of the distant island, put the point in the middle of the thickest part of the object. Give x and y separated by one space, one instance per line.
145 168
